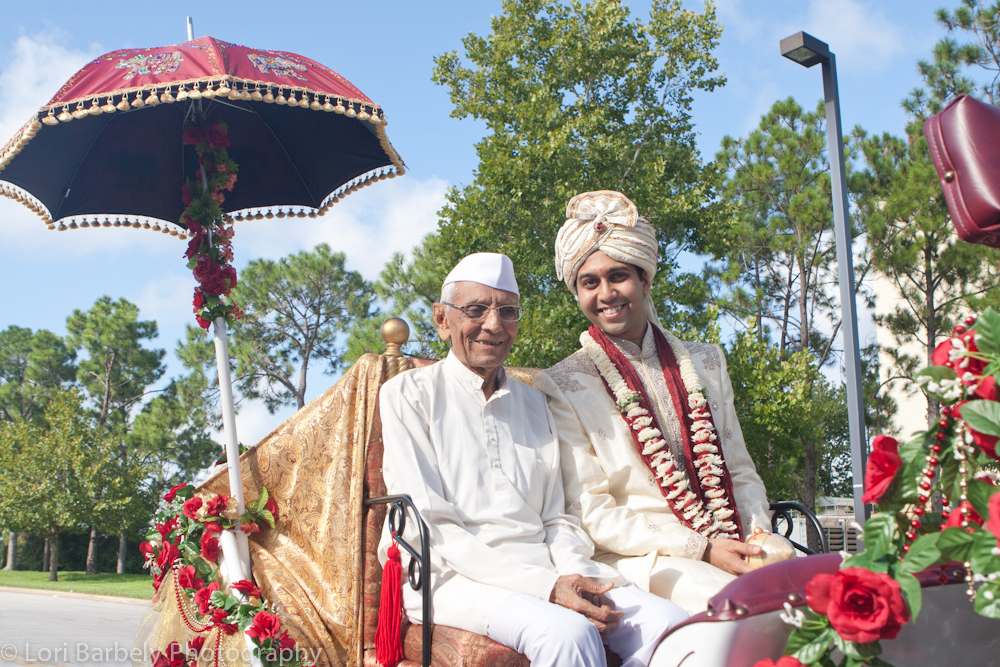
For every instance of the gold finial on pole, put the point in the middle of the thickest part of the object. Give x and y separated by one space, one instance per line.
395 333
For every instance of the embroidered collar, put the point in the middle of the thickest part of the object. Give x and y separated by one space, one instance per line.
708 506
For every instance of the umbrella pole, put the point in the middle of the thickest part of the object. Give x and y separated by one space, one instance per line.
232 450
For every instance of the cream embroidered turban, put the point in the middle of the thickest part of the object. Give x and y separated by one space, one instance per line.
607 221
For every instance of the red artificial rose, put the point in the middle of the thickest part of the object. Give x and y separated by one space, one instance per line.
202 597
199 300
147 549
265 626
213 527
955 517
191 507
216 505
882 465
993 524
194 245
186 196
186 578
164 528
202 322
863 606
212 276
193 135
209 547
783 661
217 137
987 443
172 493
229 273
285 642
172 657
987 389
272 507
192 225
168 554
196 644
246 587
250 528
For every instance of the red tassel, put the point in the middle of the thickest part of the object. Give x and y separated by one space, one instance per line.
388 644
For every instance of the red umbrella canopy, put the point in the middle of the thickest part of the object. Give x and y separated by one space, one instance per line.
109 143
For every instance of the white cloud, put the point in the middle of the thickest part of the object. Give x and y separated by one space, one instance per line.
862 35
368 226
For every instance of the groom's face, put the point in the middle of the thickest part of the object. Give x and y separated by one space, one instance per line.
611 294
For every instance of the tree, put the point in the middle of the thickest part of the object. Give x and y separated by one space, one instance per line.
47 472
578 97
33 367
116 373
981 24
298 311
911 238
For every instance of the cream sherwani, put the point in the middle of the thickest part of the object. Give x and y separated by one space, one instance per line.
484 475
610 488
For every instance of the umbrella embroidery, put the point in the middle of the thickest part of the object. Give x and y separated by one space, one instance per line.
278 66
160 63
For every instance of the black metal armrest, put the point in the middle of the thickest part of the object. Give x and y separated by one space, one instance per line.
420 564
783 510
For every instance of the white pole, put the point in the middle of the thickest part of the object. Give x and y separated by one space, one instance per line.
232 442
190 29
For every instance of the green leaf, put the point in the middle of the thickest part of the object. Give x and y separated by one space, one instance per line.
979 494
879 531
856 651
937 373
982 416
914 450
268 517
812 628
982 557
988 332
956 544
816 649
864 559
923 553
985 606
911 588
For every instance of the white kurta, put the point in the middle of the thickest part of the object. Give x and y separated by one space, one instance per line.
484 475
611 489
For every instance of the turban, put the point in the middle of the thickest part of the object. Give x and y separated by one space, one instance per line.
486 268
607 221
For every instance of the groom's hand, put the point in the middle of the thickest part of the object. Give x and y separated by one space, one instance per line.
727 555
580 594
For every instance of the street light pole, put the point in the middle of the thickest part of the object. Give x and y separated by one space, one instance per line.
806 50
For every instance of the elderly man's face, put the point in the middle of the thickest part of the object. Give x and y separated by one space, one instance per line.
481 346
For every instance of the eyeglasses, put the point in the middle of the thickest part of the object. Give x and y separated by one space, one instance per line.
477 312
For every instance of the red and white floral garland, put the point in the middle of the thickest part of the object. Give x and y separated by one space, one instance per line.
714 521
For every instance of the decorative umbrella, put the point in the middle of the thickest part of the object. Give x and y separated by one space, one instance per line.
151 138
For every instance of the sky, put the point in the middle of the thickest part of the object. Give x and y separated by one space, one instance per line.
387 49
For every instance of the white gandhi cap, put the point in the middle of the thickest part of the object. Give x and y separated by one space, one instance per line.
486 268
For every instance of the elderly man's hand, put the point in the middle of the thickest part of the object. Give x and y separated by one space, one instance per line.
585 596
727 555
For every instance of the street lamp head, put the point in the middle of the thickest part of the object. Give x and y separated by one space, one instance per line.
805 49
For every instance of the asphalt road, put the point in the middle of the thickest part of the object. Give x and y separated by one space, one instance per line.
48 631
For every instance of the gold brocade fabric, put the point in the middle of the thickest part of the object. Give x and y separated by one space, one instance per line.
309 567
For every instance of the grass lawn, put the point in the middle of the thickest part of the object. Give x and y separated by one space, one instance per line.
120 585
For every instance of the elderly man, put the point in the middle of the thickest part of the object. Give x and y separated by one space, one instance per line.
653 458
478 453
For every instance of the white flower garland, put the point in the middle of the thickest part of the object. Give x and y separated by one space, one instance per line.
672 478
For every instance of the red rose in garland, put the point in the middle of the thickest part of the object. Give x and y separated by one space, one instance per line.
186 578
246 587
955 517
863 606
215 506
172 657
209 547
783 661
882 465
217 137
993 523
168 554
986 443
272 507
172 493
265 626
202 597
191 507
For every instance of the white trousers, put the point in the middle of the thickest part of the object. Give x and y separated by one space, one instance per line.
551 635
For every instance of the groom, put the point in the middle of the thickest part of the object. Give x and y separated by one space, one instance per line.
654 463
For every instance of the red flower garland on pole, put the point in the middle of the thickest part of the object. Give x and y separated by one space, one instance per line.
210 250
